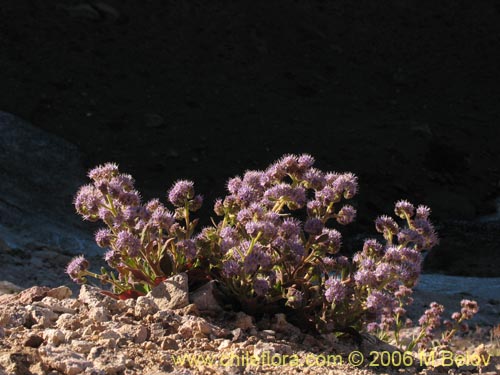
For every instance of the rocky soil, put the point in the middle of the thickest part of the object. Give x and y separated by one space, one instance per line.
46 331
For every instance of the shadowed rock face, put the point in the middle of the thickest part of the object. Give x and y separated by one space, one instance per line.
40 173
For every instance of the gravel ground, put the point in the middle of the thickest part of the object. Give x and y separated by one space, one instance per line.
46 331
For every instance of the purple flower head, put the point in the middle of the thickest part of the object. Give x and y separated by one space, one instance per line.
314 208
368 263
365 277
315 179
346 215
118 220
181 192
331 177
372 327
112 257
408 273
294 197
124 181
378 301
335 291
456 316
403 292
115 189
313 226
275 172
161 218
105 215
296 248
254 179
230 203
153 204
372 245
127 243
426 229
132 198
297 199
188 248
329 263
246 194
276 192
333 240
386 225
229 233
103 172
103 237
341 261
230 268
76 267
229 239
87 202
289 228
404 209
265 228
233 185
219 207
327 195
431 318
260 287
423 212
346 184
469 308
196 203
406 236
289 164
383 272
273 218
251 262
395 255
305 161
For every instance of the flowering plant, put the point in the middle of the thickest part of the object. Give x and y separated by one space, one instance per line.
275 247
276 244
146 242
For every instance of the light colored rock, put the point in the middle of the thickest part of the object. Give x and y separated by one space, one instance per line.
135 333
110 334
262 347
145 306
82 346
244 321
204 298
171 293
55 305
169 343
43 317
224 344
33 294
99 314
60 293
63 359
195 325
92 297
111 365
54 336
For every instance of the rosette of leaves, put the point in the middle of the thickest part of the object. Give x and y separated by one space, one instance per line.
146 243
275 246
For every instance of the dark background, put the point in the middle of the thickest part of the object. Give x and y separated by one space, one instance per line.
403 93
